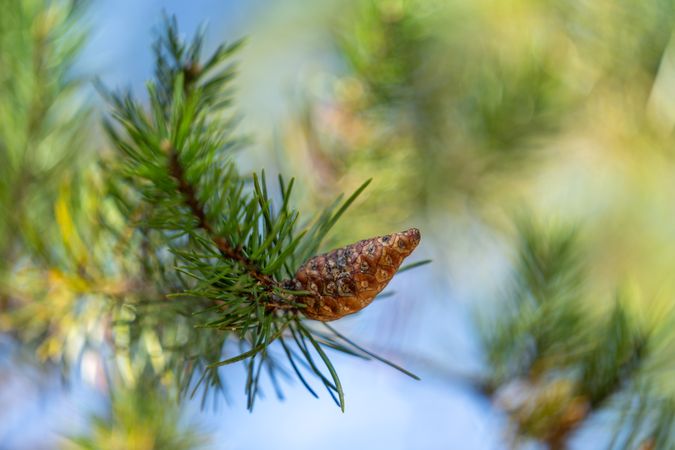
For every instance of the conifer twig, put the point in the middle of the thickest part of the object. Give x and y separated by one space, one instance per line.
197 209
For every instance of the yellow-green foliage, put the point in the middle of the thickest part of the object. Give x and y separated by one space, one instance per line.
139 419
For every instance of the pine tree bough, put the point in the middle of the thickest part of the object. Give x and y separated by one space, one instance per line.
346 280
235 250
341 282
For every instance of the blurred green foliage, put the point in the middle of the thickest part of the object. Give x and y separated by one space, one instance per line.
478 107
553 361
43 122
445 102
464 112
67 265
140 418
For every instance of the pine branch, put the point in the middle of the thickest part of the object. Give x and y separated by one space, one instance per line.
225 248
565 366
236 254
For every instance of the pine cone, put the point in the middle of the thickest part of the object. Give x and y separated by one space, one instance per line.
346 280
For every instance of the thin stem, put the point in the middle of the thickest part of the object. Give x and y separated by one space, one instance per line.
226 249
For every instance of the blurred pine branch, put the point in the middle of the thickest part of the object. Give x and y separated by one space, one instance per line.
43 121
554 364
140 418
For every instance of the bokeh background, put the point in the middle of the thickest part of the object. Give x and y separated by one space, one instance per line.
499 128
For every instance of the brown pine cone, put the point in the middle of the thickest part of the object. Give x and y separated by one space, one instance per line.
346 280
